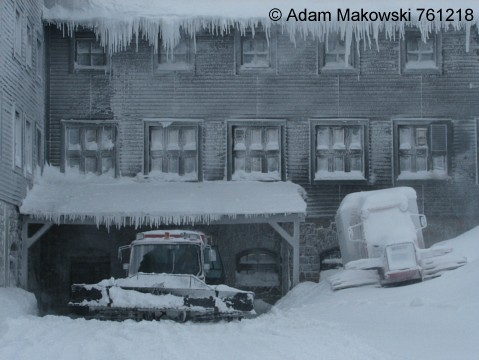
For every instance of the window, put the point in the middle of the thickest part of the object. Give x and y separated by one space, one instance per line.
89 54
172 150
180 58
39 147
257 268
335 56
18 34
39 59
418 53
422 150
339 149
255 51
28 146
90 148
17 138
255 151
29 47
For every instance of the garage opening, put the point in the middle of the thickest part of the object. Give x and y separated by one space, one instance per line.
258 270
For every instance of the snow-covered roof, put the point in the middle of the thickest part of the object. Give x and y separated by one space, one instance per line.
117 22
61 198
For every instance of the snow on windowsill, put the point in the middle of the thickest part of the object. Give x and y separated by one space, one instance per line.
159 175
255 176
339 175
422 175
421 65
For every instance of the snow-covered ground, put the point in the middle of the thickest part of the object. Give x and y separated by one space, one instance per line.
436 319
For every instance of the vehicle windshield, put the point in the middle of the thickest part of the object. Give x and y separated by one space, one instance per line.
166 258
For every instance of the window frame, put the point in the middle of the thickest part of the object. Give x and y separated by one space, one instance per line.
165 123
39 58
421 122
84 124
29 53
340 122
271 40
17 140
92 38
323 68
39 147
28 143
437 47
168 67
18 33
263 124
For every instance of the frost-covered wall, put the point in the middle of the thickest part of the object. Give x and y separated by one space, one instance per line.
10 246
22 80
297 92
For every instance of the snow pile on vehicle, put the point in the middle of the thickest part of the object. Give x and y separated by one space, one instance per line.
118 22
61 197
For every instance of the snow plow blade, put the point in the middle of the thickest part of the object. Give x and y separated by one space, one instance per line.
349 278
144 298
436 261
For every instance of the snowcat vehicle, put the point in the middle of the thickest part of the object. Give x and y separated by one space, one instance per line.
381 242
167 274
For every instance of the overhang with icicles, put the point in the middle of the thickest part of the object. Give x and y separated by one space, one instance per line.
118 22
63 199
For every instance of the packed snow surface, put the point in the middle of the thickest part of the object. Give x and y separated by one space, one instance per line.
437 319
57 197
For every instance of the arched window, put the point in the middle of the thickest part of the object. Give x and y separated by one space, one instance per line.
257 268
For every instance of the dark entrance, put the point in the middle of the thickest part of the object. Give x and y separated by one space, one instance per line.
89 270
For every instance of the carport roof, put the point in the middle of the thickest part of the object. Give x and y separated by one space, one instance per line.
60 198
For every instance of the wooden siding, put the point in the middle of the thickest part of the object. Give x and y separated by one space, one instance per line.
295 91
21 88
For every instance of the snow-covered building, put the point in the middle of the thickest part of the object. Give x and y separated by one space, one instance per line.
22 107
212 116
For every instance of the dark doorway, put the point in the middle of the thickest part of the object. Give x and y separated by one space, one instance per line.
89 270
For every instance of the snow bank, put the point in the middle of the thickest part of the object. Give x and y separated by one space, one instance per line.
437 319
16 302
118 22
58 197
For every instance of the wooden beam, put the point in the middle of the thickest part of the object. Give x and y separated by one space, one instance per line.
293 240
27 242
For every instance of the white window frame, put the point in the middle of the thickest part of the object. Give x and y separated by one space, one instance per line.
166 57
29 44
28 141
91 39
39 146
433 40
344 152
422 147
254 36
17 139
173 155
256 150
39 58
18 33
80 151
